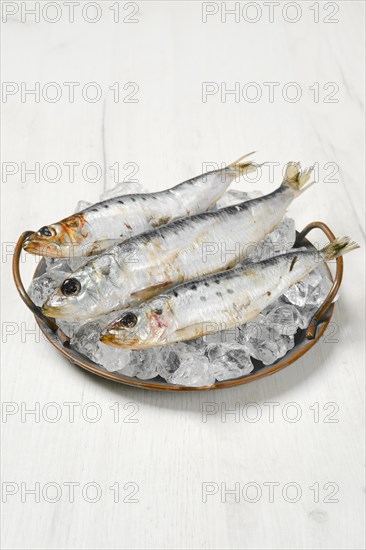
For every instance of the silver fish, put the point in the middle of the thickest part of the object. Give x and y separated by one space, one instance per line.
114 220
226 300
144 266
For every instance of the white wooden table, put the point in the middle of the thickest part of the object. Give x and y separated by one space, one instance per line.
114 467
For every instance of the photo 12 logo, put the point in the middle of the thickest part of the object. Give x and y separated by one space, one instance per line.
273 172
271 412
269 491
68 411
69 92
270 92
69 492
70 12
69 171
270 12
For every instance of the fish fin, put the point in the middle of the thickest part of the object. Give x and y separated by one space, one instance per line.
296 178
189 332
294 260
99 246
239 168
253 314
163 220
150 291
338 247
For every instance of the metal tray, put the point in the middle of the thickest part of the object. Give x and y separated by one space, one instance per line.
304 339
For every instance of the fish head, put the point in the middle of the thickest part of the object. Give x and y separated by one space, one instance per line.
59 240
82 295
145 326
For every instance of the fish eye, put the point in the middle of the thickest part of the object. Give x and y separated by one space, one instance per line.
70 287
129 320
46 231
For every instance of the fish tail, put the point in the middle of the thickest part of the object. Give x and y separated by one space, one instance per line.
296 178
241 167
338 247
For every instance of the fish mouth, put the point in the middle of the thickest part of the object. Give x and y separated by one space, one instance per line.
55 312
67 311
34 246
112 339
59 312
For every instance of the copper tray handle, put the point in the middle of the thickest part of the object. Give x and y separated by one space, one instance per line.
19 284
310 332
318 316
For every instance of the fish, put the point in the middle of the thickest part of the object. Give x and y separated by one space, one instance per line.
148 264
216 302
98 227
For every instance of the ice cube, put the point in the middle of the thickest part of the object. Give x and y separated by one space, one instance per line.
228 360
233 196
318 293
123 188
223 336
284 236
314 278
69 327
297 294
194 371
57 264
289 341
75 263
278 241
171 357
264 342
251 328
285 318
68 265
42 287
145 363
86 340
196 343
170 362
115 359
81 205
306 314
266 351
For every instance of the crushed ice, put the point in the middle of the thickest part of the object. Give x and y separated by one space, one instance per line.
218 356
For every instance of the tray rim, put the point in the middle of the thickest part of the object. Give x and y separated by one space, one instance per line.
317 326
